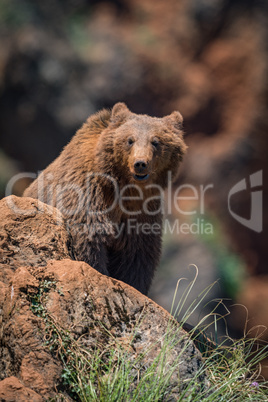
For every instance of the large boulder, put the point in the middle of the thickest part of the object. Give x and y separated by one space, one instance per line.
31 233
42 287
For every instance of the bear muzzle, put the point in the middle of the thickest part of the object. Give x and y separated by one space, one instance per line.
141 170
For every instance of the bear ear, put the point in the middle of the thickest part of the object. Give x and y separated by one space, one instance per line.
119 112
176 119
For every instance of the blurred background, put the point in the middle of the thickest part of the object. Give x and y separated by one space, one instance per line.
60 61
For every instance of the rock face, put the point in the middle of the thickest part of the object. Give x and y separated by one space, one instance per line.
31 233
34 251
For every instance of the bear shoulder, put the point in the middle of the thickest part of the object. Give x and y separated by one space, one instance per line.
94 126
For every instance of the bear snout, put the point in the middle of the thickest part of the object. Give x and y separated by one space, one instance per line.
141 170
140 167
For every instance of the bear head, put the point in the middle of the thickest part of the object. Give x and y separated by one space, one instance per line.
140 149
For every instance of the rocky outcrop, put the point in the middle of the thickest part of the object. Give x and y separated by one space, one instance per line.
31 233
12 389
42 288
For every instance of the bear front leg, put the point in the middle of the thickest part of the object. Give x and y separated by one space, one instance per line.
136 262
89 246
146 259
94 253
141 273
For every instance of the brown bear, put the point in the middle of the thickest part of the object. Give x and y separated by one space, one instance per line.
108 182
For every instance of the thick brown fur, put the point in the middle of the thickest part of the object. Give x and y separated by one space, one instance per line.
87 182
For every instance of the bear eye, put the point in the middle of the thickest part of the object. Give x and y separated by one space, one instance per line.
155 143
130 141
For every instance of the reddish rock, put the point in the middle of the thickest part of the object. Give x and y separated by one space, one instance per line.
12 390
95 309
31 233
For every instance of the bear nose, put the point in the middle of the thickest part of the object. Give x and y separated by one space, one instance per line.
140 166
